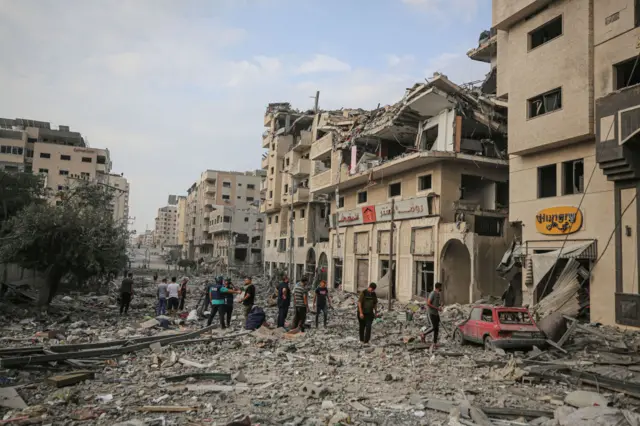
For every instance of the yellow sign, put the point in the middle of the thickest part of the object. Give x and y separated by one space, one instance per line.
559 220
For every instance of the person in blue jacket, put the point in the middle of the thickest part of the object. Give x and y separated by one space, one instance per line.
218 298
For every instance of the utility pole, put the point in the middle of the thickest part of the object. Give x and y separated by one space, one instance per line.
391 268
315 106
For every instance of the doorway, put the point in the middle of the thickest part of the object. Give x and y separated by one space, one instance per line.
337 272
456 272
362 273
425 278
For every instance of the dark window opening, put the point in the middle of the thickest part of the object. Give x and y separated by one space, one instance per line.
340 202
87 159
251 186
429 138
637 13
65 157
269 220
425 278
64 172
573 177
32 140
489 226
270 195
226 184
300 241
226 219
362 197
286 188
323 213
276 218
547 181
249 199
545 103
282 244
424 183
502 195
395 190
626 73
302 212
43 170
45 155
545 33
101 159
225 197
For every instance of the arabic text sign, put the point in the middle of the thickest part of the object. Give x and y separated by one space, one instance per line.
350 217
559 220
404 209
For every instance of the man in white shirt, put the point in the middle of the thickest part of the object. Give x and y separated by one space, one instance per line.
174 296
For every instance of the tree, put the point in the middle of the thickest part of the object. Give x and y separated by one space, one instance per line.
77 238
18 190
186 263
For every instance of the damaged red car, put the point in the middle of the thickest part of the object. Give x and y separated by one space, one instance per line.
500 327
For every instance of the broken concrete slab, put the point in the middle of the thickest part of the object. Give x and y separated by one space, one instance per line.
218 377
9 398
149 324
167 408
581 399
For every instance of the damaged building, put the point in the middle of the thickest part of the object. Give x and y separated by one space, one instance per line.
439 157
573 144
296 221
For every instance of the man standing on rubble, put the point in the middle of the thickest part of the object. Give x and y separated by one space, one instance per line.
284 300
229 295
126 291
218 295
162 298
249 296
435 307
322 301
183 292
367 311
300 304
174 296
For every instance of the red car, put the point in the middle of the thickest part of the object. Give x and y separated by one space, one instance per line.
500 327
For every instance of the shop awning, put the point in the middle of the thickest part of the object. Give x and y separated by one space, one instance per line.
542 263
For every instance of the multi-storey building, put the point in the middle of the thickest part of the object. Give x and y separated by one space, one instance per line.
62 156
182 221
434 165
296 221
213 191
569 72
166 226
237 237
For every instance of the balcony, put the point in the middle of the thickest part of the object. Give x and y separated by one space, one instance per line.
266 139
263 186
301 196
320 180
487 49
207 215
301 168
303 142
206 241
269 206
265 163
321 149
218 228
210 189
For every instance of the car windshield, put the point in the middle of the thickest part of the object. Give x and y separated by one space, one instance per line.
514 317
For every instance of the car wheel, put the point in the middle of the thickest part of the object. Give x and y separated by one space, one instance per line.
459 338
488 343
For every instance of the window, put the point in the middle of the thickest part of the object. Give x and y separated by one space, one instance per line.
424 183
276 218
282 244
514 317
43 171
487 315
268 243
323 213
270 195
246 219
226 197
249 199
269 220
64 172
340 202
85 175
395 189
625 75
60 187
293 215
545 103
547 181
286 188
286 163
302 211
16 150
300 241
545 33
272 170
251 186
362 197
226 219
32 140
87 159
489 226
226 184
425 278
239 184
573 177
29 153
45 155
65 157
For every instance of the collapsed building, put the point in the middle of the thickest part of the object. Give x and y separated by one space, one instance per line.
439 156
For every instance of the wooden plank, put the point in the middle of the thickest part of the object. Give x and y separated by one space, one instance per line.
24 350
167 408
63 380
555 345
218 377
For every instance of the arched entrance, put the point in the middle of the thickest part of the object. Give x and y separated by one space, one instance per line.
311 265
455 276
323 267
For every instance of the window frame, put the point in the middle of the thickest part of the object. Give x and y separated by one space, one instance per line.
539 180
547 23
542 98
419 180
366 196
389 196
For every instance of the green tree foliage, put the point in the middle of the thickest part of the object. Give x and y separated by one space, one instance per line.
77 238
18 190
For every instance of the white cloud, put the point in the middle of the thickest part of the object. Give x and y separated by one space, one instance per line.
323 63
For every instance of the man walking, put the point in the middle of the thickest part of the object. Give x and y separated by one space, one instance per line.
300 304
249 296
284 300
162 298
435 307
367 310
174 296
322 302
183 292
126 291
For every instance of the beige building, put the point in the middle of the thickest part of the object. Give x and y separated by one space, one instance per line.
237 237
436 164
212 192
166 227
62 156
565 68
182 221
296 221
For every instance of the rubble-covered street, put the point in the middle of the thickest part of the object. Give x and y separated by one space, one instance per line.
85 364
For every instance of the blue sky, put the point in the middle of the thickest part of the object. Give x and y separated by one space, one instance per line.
176 87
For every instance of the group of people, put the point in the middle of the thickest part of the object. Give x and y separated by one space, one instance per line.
221 295
300 295
171 296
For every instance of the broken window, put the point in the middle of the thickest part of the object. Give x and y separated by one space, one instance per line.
64 172
251 186
45 155
514 317
362 197
395 189
429 138
626 74
425 278
424 183
340 202
282 244
476 314
573 177
249 199
226 184
487 315
300 241
225 197
276 218
545 103
545 33
502 195
547 181
489 226
302 213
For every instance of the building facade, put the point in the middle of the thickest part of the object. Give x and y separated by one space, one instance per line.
566 69
166 227
296 221
120 189
182 221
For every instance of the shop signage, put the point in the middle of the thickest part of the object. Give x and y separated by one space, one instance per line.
404 209
559 220
369 214
351 217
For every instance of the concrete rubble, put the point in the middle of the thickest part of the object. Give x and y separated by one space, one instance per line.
105 369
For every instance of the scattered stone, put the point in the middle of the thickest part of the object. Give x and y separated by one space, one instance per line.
581 399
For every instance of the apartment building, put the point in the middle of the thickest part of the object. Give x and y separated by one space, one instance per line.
566 69
435 164
166 227
181 206
61 156
237 237
296 221
213 191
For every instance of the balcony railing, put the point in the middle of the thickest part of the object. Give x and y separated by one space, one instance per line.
301 168
303 142
263 186
321 149
321 179
265 163
301 195
217 228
